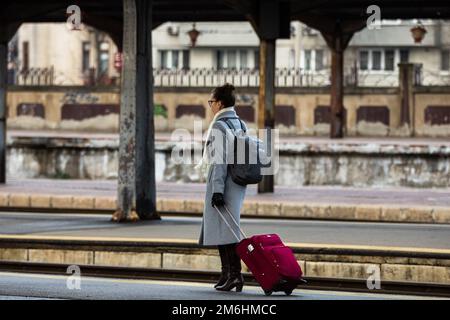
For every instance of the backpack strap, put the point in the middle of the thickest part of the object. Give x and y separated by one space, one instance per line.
231 127
226 120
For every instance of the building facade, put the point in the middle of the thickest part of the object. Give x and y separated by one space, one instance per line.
73 57
73 63
88 56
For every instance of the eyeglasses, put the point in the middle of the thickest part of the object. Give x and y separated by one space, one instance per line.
210 102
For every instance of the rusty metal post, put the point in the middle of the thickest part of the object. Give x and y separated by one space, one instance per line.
136 192
145 132
266 100
126 192
3 89
337 121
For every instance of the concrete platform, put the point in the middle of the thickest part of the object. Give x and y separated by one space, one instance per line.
312 202
16 286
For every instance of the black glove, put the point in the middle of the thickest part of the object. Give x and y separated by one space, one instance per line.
217 200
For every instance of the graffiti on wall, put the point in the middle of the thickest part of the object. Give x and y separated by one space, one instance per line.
77 97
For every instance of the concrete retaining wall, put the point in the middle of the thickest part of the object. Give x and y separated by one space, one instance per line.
318 261
304 103
300 163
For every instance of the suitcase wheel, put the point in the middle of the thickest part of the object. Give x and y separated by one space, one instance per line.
268 292
288 291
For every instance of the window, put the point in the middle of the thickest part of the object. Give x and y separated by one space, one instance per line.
291 58
319 60
220 59
104 58
186 58
445 60
231 59
312 60
307 65
256 57
364 60
85 56
243 59
175 59
376 60
163 59
104 62
404 55
25 56
389 60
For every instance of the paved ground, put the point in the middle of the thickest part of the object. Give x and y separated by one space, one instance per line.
170 227
28 286
310 194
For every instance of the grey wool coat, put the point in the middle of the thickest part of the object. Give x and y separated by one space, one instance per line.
214 230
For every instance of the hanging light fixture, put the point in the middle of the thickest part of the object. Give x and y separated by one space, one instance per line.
193 35
418 32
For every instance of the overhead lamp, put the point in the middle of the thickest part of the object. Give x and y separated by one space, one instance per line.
418 32
193 35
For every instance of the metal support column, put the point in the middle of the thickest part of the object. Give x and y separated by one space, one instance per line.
337 121
7 31
266 100
337 34
406 83
271 21
136 183
145 131
3 88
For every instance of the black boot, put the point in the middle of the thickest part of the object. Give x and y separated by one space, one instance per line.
225 262
235 280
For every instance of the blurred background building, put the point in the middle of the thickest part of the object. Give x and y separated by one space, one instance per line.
87 55
70 79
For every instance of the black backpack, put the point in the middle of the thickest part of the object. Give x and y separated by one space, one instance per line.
244 173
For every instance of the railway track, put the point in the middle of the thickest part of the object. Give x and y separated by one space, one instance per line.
313 283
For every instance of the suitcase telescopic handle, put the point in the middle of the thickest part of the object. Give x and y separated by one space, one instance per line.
228 224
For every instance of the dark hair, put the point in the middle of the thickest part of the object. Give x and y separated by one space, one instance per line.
225 94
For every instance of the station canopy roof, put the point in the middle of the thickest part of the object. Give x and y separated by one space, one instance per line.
106 15
222 10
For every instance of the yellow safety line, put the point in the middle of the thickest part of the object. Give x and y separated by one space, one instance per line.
192 241
365 247
106 239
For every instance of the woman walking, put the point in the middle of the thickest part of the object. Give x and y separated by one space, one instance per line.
221 190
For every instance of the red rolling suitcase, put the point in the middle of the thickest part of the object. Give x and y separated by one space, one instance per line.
272 263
